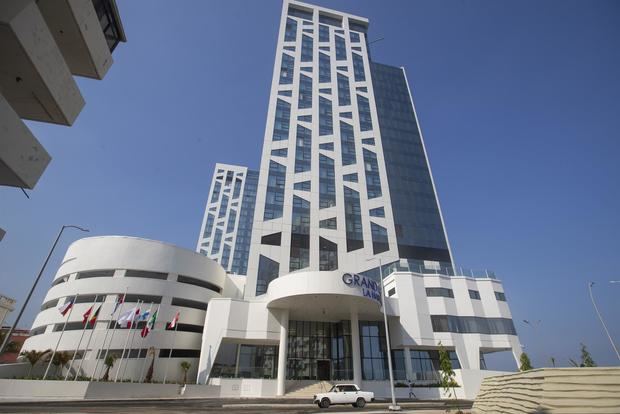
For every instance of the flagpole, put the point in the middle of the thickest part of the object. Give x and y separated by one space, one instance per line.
80 343
92 333
127 340
146 357
174 337
140 349
60 338
133 335
118 308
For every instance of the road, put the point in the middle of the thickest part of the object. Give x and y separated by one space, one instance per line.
213 405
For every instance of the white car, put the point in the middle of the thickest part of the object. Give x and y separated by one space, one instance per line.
344 394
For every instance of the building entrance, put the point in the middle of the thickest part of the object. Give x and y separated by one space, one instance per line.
323 369
319 351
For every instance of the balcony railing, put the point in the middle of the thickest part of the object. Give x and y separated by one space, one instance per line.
406 266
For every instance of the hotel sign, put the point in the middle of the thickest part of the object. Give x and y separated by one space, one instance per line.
368 287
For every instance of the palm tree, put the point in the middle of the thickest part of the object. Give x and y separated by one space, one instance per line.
33 357
185 366
109 363
59 361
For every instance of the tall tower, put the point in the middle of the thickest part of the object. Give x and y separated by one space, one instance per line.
226 229
344 176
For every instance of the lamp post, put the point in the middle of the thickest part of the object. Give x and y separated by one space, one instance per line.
34 285
394 406
613 345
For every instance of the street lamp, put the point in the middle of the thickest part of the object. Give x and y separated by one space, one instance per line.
34 285
601 318
394 406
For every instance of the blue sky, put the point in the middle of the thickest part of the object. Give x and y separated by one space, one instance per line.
519 103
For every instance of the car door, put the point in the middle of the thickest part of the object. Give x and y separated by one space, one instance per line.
350 394
339 395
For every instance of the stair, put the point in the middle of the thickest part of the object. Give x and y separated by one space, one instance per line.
305 389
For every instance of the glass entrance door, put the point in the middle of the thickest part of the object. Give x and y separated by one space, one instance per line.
323 369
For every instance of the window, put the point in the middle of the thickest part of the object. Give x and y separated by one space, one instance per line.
325 71
373 351
364 113
350 177
347 143
440 292
274 239
332 21
258 361
282 152
303 186
285 93
179 353
391 292
300 235
289 48
327 182
379 239
373 181
358 68
60 280
237 190
500 296
329 223
344 93
472 324
267 271
305 118
323 33
327 146
326 91
290 32
425 364
282 120
144 298
306 48
303 14
216 191
225 256
474 294
187 303
355 37
95 273
326 125
305 92
341 52
198 282
50 304
223 207
146 274
328 254
287 69
377 212
353 219
368 141
303 149
274 201
39 330
217 242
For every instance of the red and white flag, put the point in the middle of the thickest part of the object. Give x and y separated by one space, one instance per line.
87 315
66 307
120 299
129 316
173 323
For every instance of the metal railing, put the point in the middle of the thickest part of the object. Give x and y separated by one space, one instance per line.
406 266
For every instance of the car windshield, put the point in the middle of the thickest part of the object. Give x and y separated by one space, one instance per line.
333 389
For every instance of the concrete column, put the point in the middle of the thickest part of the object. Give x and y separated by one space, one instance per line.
355 345
408 366
282 352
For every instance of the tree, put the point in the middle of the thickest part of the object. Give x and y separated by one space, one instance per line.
59 360
33 357
447 374
109 363
185 366
11 346
525 364
586 358
149 373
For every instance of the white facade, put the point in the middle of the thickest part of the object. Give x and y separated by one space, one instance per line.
146 270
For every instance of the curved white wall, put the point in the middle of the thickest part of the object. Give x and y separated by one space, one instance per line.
120 254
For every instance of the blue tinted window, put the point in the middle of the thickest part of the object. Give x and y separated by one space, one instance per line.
350 177
368 141
223 207
305 92
303 186
274 201
328 254
343 68
364 112
347 143
347 115
357 26
293 11
326 122
344 93
216 191
355 37
325 48
303 149
300 235
291 30
286 69
329 146
306 69
285 93
232 218
208 226
377 212
358 68
308 30
289 48
341 51
362 89
282 121
244 225
353 219
305 118
306 48
327 182
325 71
326 91
225 256
373 182
329 223
323 33
330 20
237 190
282 152
217 242
379 239
267 271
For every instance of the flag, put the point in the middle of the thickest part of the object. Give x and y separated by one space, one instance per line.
171 325
119 301
93 318
149 326
66 307
87 315
145 315
128 317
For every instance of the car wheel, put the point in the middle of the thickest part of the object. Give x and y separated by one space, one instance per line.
324 403
360 403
